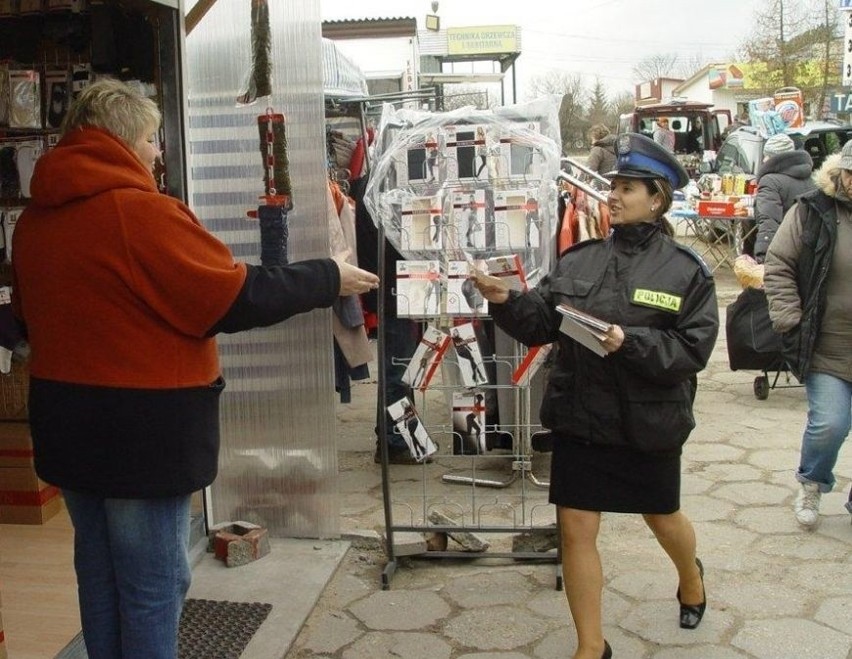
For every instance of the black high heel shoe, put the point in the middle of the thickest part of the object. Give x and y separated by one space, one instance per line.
691 614
607 653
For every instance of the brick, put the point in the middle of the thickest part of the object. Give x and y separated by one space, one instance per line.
468 541
408 543
240 543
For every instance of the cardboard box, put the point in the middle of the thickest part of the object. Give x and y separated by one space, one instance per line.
14 385
25 498
16 445
790 104
716 208
3 654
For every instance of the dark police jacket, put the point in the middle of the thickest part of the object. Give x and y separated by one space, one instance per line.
663 297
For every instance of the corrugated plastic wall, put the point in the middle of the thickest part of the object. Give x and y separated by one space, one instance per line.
278 462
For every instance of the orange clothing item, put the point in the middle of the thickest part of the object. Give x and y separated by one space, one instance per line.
117 283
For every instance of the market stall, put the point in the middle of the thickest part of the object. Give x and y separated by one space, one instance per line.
715 217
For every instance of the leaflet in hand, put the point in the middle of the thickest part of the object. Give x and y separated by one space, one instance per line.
584 328
426 358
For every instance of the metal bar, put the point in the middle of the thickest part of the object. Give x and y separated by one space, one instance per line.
585 187
586 170
483 482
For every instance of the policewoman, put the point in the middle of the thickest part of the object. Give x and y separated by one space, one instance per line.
619 421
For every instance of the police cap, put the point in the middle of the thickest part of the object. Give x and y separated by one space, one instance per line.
641 157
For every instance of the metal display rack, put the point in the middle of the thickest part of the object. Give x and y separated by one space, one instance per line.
496 491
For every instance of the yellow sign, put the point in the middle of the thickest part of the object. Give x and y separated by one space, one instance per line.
489 39
657 299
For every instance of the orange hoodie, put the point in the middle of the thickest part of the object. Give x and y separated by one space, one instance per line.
117 283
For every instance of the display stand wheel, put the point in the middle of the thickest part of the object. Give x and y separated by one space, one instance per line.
761 387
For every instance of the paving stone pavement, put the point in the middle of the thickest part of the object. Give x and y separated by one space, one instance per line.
774 590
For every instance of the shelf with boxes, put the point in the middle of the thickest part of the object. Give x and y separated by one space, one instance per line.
51 49
24 497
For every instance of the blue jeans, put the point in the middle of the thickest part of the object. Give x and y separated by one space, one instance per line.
132 564
829 420
400 343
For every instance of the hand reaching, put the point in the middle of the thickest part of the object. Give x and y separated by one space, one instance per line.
493 289
353 280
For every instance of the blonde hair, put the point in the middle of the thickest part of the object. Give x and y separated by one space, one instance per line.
598 132
115 107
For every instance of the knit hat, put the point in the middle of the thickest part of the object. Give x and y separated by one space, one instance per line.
846 155
776 144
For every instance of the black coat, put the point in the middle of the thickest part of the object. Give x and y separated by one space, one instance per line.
663 297
780 180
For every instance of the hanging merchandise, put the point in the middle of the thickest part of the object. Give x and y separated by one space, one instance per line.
453 192
272 214
259 82
467 185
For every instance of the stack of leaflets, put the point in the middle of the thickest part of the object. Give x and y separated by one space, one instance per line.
584 328
426 358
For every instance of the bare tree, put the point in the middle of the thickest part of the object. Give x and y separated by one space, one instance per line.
621 104
786 50
770 42
662 65
573 92
458 96
689 66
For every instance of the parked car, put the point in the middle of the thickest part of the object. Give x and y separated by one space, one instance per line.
697 127
742 149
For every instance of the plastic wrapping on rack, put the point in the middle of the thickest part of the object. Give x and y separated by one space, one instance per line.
469 184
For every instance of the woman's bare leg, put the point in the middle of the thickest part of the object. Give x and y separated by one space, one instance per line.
676 536
583 576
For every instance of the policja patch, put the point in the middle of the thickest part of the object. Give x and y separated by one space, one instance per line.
657 300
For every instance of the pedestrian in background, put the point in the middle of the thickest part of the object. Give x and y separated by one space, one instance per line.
619 421
784 175
602 154
122 291
663 135
808 281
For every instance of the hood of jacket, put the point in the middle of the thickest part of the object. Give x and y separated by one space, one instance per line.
607 142
797 164
87 162
826 175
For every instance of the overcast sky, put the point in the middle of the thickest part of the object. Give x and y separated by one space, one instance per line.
604 38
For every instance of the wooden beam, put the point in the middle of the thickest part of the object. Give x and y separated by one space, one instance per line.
194 15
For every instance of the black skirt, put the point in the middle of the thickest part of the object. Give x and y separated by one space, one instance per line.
616 479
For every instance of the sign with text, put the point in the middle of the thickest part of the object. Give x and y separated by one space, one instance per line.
841 102
489 39
846 74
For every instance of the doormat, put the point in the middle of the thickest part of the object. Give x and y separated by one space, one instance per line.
212 629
